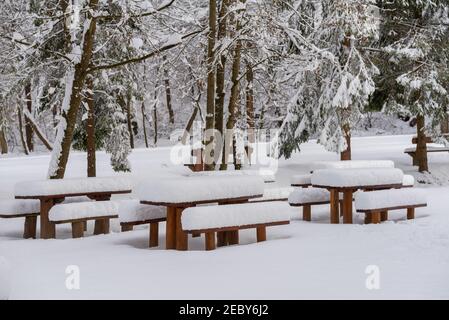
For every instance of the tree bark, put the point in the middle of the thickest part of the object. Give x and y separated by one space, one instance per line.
22 138
250 109
445 122
90 129
38 132
28 127
3 142
346 154
61 155
421 146
210 107
168 94
155 122
145 135
129 120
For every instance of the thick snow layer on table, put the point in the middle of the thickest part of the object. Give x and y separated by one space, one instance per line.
72 186
408 180
77 199
357 177
309 195
234 215
275 194
389 198
301 179
80 210
204 188
5 281
133 211
352 164
265 174
14 207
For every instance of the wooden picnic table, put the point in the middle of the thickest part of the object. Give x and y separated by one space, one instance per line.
192 191
349 183
51 196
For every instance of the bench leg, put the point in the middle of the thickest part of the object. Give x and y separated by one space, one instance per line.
375 217
233 237
77 229
101 226
85 225
154 234
384 216
410 213
261 234
181 236
414 159
334 206
170 231
210 241
222 238
307 212
29 230
48 229
368 219
127 227
347 206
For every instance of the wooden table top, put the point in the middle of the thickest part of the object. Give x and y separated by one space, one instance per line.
193 203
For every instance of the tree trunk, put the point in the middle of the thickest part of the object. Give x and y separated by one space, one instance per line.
250 110
37 130
445 122
155 122
28 127
3 142
421 146
22 138
143 125
129 120
90 129
61 152
168 95
210 107
346 155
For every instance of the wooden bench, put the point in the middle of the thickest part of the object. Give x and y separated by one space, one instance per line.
232 218
376 204
79 213
133 213
301 180
412 152
28 209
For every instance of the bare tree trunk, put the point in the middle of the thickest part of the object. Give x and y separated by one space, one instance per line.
22 138
168 95
155 122
421 146
3 142
143 125
346 155
90 129
210 108
250 109
60 156
129 120
445 122
28 127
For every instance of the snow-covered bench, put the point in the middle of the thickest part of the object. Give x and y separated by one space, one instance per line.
308 197
133 213
377 203
301 180
430 149
78 213
28 209
234 217
352 164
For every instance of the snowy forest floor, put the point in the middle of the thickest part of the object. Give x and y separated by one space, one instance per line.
304 260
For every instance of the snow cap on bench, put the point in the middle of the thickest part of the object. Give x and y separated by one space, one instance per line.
357 177
72 186
308 196
408 180
82 210
235 215
19 207
389 198
134 211
302 179
202 188
352 164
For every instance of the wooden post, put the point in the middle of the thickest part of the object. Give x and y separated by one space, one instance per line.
334 206
368 219
181 236
170 231
410 213
210 241
222 238
384 216
154 234
101 226
77 229
233 237
29 230
261 234
85 225
307 212
48 230
196 234
375 217
347 206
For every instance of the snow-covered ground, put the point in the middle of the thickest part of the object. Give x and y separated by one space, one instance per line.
304 260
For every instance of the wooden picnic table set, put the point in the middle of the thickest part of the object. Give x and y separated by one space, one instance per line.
216 205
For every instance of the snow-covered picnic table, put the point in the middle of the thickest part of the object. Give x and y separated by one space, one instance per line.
352 164
181 193
51 192
347 181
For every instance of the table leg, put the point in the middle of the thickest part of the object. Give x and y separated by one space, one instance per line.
170 229
48 230
181 236
334 206
100 224
347 206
